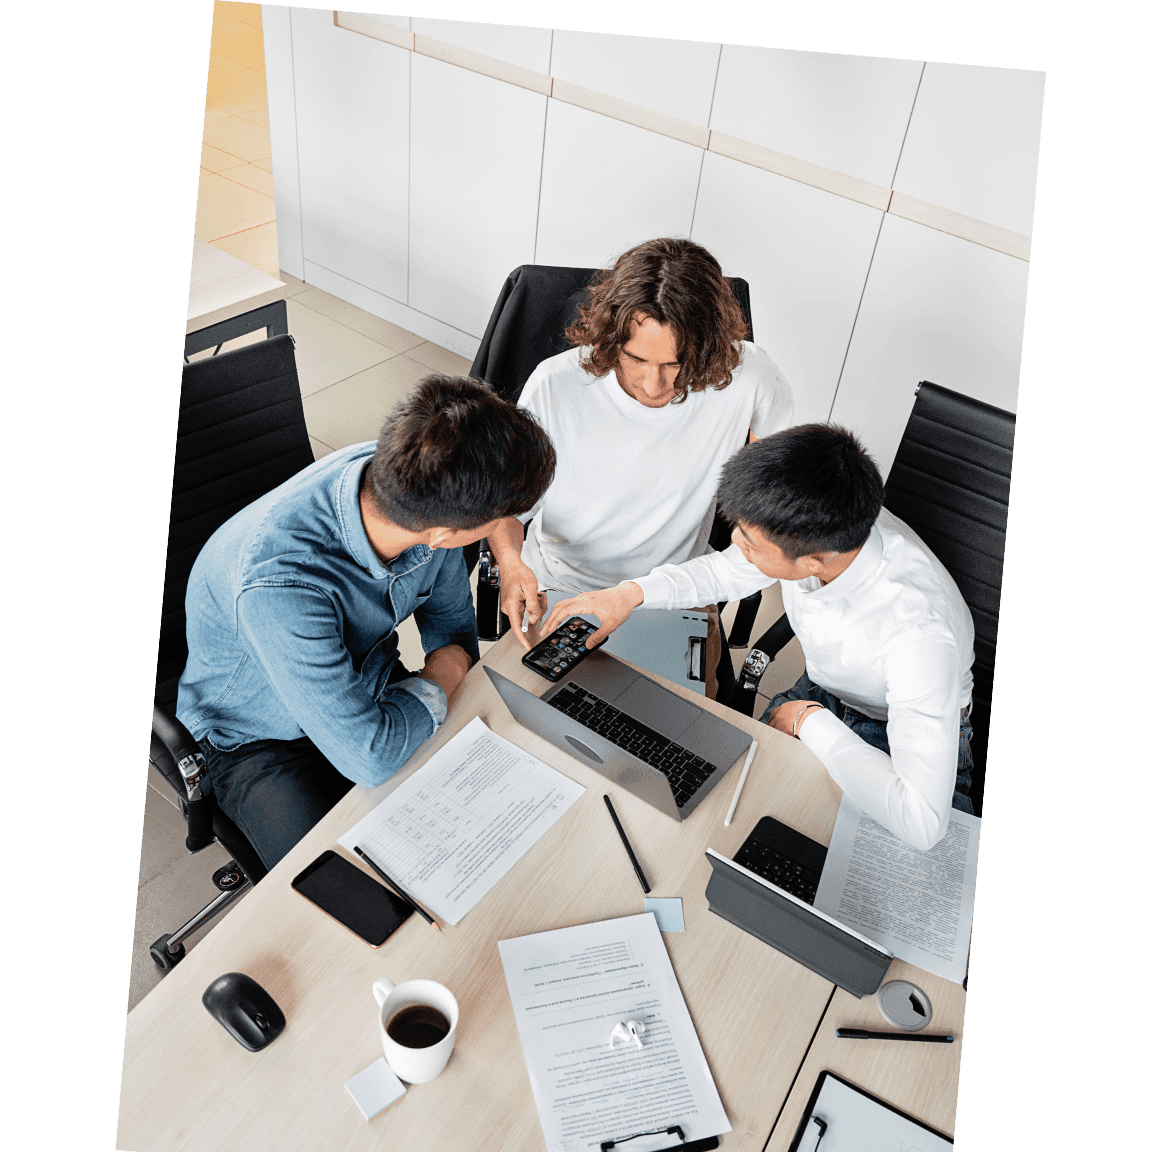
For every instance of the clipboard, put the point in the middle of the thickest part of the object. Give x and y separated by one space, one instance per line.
660 1140
840 1117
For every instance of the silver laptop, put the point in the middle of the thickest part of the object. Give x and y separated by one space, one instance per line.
660 747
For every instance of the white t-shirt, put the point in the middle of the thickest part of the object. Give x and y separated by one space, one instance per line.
635 487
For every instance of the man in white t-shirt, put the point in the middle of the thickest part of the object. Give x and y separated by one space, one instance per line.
887 637
659 390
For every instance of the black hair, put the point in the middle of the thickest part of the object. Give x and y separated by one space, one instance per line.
455 454
809 489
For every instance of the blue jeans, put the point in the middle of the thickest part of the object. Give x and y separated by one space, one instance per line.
875 732
276 790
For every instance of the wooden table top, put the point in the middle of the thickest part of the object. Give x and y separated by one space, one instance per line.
223 287
188 1085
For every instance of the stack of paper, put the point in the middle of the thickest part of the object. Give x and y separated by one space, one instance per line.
570 989
455 827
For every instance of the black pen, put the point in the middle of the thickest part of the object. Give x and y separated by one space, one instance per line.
392 884
863 1034
627 846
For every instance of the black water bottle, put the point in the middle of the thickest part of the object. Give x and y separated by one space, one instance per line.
491 623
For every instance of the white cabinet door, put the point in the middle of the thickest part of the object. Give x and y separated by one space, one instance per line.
526 47
352 127
805 256
936 308
277 26
847 113
404 22
974 143
608 186
476 152
671 76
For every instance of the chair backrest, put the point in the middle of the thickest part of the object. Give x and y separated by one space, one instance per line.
535 305
241 432
949 483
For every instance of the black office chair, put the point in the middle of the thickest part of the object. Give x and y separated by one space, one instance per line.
241 432
536 304
949 483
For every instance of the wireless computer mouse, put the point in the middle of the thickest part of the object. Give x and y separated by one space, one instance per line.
244 1009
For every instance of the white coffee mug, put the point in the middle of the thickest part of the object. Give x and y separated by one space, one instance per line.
415 1065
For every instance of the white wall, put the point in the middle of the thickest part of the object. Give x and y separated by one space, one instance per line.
936 308
412 187
848 113
476 150
974 143
526 47
804 253
278 72
672 76
608 186
352 149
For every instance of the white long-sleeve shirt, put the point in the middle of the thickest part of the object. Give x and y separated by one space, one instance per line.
892 637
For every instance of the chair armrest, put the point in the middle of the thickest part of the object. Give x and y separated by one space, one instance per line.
491 623
762 653
170 737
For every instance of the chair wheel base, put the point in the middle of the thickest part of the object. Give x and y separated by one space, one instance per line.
164 959
230 877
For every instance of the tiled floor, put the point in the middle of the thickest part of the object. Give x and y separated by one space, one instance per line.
353 368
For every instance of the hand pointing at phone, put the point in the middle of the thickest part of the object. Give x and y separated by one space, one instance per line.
612 606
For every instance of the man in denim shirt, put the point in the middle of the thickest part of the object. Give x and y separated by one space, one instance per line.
293 685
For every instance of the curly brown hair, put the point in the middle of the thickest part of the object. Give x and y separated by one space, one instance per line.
677 283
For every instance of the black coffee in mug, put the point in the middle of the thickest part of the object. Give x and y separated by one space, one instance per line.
418 1026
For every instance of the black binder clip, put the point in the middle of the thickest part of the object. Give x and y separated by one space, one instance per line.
675 1130
657 1141
820 1127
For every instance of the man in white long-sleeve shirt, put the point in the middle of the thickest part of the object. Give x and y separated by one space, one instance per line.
887 637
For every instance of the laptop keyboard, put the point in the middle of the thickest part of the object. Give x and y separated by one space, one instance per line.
686 772
779 869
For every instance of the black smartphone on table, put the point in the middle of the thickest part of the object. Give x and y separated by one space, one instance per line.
352 898
559 653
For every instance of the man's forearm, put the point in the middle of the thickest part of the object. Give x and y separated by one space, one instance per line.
506 539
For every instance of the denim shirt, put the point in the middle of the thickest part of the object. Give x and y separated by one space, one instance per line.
292 627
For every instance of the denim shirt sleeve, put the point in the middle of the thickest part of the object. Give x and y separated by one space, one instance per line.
293 632
430 693
447 616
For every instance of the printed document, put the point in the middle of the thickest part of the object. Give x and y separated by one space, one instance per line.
571 990
457 825
917 904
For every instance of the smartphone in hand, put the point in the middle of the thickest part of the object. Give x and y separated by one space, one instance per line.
556 655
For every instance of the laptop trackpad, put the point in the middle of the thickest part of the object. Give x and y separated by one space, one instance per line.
658 708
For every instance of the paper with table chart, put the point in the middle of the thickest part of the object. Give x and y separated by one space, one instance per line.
570 989
855 1122
455 827
917 904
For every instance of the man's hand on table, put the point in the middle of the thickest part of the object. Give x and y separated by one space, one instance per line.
612 605
447 667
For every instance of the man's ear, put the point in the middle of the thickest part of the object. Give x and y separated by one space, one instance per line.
815 564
